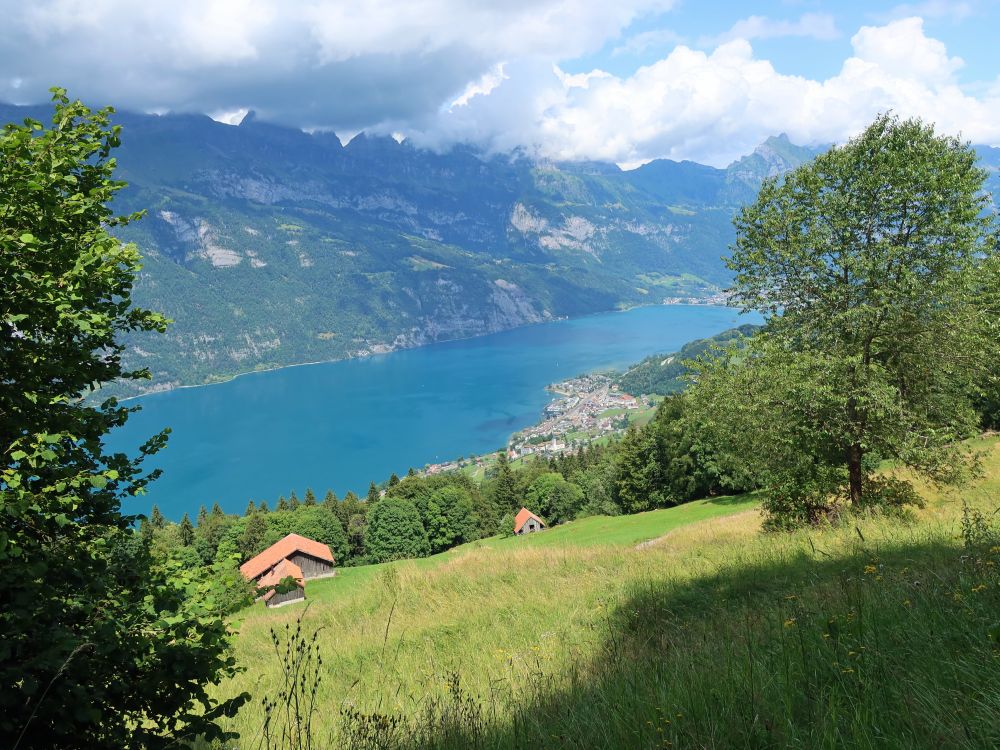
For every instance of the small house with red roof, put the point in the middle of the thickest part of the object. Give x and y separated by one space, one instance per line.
525 522
294 557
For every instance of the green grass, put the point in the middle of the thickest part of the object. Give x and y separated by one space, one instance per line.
596 531
617 530
876 633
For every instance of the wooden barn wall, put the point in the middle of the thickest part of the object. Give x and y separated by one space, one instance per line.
289 596
312 567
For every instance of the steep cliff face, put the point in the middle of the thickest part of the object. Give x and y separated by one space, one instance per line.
269 246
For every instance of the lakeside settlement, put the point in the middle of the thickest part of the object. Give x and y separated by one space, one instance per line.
584 409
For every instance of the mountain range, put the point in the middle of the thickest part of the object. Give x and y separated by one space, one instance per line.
270 246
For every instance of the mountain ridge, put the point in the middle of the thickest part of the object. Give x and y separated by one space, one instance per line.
270 246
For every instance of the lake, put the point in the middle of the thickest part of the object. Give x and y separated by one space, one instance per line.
339 425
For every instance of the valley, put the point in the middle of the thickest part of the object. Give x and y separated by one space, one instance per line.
499 376
268 246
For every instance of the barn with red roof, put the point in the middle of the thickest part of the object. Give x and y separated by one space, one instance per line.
526 522
293 557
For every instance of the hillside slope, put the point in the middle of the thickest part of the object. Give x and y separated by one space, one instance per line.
270 246
878 633
663 374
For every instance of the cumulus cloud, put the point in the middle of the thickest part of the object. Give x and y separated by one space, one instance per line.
311 63
491 72
715 106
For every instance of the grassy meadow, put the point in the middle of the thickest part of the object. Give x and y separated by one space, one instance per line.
684 627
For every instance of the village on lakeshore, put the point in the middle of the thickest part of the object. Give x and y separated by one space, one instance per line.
585 409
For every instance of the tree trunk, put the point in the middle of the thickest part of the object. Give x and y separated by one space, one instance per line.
854 455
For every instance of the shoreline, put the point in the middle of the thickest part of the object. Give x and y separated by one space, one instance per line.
262 371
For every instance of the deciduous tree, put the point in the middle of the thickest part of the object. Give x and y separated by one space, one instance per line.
395 531
871 265
98 647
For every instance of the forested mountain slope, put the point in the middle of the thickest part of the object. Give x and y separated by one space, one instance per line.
269 246
663 374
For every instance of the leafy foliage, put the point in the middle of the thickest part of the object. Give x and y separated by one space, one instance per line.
876 266
395 531
556 499
99 647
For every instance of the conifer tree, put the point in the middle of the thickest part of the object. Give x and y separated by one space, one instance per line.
293 501
186 531
263 507
330 500
393 480
217 512
638 484
411 472
505 497
373 493
282 503
251 508
202 517
310 497
156 518
253 536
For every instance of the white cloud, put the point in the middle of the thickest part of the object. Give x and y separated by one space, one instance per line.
490 72
902 50
715 106
313 63
813 25
231 117
486 83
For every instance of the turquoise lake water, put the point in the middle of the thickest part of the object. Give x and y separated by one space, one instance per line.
340 425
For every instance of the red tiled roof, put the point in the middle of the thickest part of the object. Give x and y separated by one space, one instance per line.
278 573
281 571
522 518
282 549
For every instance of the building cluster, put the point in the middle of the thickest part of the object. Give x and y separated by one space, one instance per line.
716 298
449 466
585 408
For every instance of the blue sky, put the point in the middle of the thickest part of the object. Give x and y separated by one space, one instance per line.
624 81
969 29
